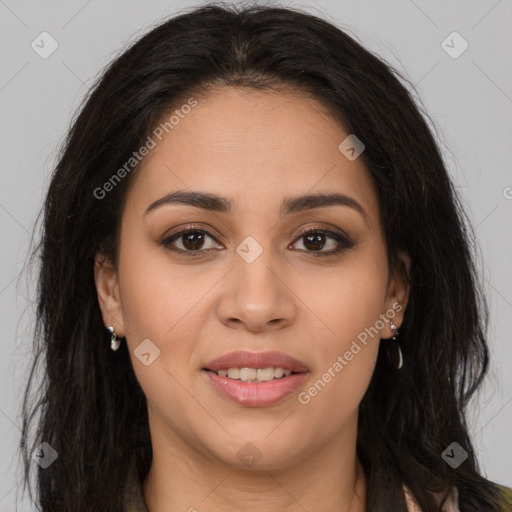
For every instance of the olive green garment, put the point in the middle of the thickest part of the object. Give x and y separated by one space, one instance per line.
507 498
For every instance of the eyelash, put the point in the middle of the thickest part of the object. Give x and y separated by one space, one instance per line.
343 242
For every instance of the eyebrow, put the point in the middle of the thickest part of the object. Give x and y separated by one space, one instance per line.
215 203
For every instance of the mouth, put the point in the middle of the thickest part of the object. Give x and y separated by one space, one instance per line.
245 374
255 379
260 361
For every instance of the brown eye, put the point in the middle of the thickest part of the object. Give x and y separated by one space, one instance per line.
193 240
315 240
189 241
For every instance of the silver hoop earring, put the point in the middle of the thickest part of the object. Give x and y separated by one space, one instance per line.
114 342
394 351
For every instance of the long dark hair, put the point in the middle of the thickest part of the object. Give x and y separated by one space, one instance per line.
89 406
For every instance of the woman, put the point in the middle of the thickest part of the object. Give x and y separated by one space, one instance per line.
257 289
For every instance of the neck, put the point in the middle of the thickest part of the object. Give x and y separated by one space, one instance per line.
183 478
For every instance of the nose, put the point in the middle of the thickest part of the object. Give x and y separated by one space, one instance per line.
258 296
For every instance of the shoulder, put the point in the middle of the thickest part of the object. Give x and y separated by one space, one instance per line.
451 504
506 494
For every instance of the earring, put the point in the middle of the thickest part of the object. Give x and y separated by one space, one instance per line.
114 342
394 351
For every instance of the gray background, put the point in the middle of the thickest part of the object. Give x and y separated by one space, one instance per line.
468 98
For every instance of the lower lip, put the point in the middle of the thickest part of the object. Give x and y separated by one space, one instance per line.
256 394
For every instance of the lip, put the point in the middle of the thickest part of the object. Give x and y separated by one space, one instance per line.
256 394
245 359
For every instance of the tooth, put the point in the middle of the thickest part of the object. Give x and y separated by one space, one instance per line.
234 373
264 374
255 374
247 374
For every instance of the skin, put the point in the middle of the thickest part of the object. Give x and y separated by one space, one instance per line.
255 148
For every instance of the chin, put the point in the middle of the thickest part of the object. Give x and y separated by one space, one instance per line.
257 453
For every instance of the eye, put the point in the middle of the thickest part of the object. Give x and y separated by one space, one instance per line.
315 240
190 240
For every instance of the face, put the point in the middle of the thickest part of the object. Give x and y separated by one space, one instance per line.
306 279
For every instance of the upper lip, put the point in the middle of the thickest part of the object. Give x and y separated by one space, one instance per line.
245 359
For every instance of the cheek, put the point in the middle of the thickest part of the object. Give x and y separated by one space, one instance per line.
333 395
157 305
347 299
349 303
158 297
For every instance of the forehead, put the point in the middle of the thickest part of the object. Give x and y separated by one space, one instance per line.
251 146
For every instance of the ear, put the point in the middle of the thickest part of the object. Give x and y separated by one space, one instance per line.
398 292
107 288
